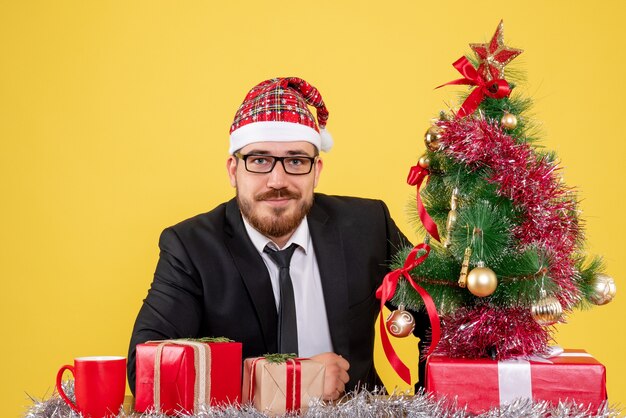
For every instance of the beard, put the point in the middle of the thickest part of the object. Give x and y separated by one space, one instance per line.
278 223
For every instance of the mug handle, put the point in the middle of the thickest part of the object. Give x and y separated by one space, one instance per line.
60 386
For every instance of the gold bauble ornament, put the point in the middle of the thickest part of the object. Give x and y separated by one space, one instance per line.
547 311
432 137
604 289
482 281
424 161
400 323
508 121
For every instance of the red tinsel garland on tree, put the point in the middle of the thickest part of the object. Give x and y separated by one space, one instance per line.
529 180
471 332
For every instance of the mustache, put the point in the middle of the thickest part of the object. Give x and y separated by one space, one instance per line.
277 194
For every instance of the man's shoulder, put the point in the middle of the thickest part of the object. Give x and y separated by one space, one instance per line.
350 209
358 218
349 203
211 220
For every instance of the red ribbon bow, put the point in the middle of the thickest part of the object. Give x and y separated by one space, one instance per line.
497 89
386 291
416 176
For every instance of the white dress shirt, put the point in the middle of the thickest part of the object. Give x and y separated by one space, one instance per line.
313 331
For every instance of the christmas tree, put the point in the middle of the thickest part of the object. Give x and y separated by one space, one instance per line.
503 260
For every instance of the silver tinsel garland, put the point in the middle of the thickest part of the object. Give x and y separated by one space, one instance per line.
359 404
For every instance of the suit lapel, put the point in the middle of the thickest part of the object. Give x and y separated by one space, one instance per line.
330 260
254 274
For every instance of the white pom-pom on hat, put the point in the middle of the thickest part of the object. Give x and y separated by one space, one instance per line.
326 140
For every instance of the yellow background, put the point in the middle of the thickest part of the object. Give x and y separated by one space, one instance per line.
114 121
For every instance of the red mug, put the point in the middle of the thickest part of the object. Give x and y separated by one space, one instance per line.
99 385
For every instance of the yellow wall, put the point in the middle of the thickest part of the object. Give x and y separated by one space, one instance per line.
114 118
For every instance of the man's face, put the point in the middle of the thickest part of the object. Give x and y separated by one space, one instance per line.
274 203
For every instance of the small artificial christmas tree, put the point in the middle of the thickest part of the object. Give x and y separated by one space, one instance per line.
506 261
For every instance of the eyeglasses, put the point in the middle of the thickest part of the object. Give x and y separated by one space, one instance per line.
256 163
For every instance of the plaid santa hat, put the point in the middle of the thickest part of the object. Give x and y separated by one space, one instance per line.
276 110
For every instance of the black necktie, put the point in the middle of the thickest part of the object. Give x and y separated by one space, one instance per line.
287 325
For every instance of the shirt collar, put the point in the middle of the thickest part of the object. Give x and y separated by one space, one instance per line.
299 237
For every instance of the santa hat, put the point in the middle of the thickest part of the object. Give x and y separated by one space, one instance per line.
276 110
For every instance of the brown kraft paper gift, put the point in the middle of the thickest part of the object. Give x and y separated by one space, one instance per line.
276 388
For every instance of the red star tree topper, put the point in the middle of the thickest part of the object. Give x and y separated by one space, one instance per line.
494 56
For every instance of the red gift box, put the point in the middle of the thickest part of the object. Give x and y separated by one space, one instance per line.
180 382
482 384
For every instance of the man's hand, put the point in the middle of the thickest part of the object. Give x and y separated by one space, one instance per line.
336 374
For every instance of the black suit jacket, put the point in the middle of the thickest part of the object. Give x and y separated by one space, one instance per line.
211 281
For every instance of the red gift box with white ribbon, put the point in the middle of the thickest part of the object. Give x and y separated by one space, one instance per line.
482 384
175 376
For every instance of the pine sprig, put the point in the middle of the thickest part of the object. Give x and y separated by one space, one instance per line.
279 357
483 227
438 275
210 340
587 272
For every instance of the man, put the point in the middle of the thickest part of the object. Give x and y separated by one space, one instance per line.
219 273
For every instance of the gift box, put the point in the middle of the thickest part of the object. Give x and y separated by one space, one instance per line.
178 375
482 384
276 387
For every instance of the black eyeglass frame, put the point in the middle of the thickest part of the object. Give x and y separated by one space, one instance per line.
276 159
